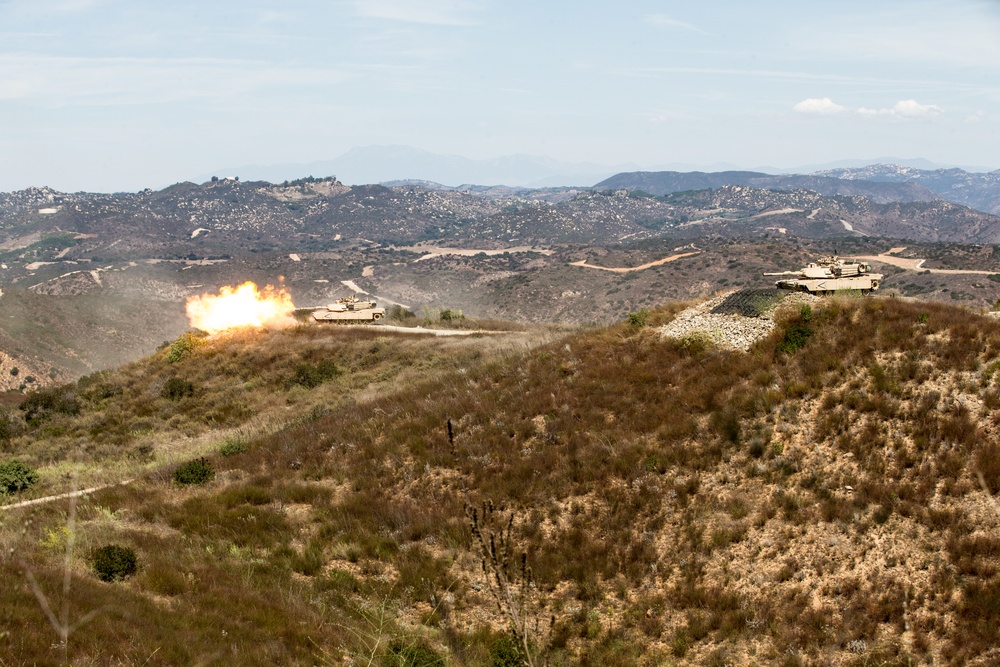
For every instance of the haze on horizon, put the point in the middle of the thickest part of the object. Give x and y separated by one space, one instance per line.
107 95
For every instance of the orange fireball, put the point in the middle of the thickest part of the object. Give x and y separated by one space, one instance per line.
243 306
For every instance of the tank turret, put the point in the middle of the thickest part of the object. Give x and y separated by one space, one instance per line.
829 275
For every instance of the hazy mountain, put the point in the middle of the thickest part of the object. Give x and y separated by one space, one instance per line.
376 164
976 190
667 182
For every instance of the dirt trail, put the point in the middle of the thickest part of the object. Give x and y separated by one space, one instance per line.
442 332
435 251
781 211
658 262
60 496
911 264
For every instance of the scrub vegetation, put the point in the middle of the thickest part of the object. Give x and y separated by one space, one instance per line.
604 497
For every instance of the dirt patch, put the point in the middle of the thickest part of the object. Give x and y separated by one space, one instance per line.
735 320
650 265
912 264
782 211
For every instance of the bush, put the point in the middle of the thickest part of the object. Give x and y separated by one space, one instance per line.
313 375
233 446
639 319
182 346
16 476
114 563
451 314
8 429
46 403
796 336
399 313
417 655
505 653
197 471
175 389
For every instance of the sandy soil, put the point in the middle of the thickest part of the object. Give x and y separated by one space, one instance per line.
34 266
60 496
778 212
917 264
441 332
658 262
433 251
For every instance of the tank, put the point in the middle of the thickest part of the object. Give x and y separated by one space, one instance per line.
829 275
349 310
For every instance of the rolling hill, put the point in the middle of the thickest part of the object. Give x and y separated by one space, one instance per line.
652 500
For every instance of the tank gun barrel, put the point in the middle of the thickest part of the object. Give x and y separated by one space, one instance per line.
785 273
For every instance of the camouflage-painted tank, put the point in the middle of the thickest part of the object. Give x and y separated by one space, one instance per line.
349 310
829 275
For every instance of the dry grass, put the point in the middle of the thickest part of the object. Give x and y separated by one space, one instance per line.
700 506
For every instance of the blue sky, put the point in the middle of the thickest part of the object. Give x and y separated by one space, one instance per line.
121 95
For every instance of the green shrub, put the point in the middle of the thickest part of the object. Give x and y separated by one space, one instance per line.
639 319
16 476
8 428
114 563
197 471
182 346
233 446
45 403
413 655
175 389
504 652
399 313
313 375
451 314
796 336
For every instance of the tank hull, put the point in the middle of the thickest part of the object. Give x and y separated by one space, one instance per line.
868 283
348 317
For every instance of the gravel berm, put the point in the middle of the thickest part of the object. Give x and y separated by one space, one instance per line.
737 319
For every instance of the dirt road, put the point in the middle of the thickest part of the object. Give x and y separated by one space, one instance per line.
60 496
658 262
912 264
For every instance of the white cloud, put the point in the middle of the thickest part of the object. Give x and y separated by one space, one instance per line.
664 21
914 109
822 106
430 12
905 109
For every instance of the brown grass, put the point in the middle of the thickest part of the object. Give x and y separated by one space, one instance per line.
697 504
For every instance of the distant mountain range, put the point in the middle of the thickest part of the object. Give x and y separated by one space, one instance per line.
381 164
980 191
668 182
882 183
377 164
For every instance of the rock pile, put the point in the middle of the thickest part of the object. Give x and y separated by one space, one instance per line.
726 326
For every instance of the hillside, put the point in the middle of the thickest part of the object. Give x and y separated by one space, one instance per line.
811 501
980 191
90 281
668 182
